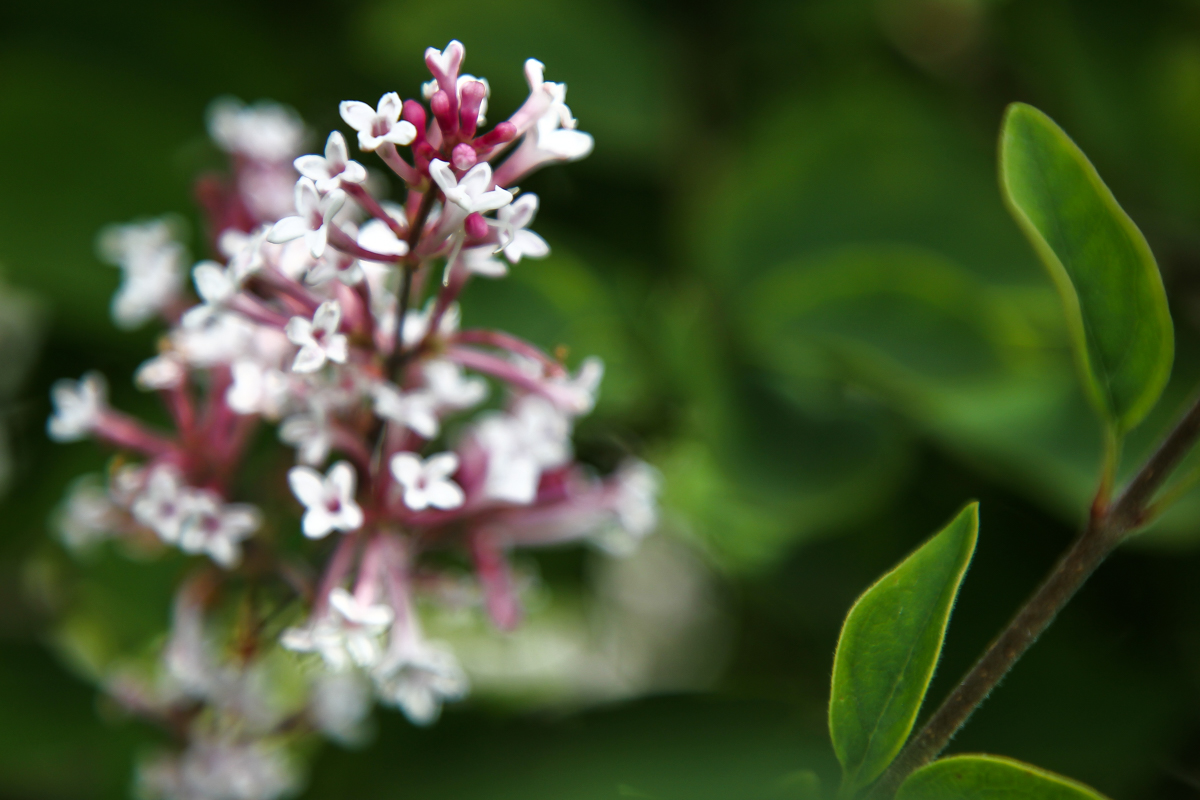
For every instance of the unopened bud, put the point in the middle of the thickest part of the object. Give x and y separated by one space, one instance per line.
440 105
414 112
502 133
475 225
463 156
473 94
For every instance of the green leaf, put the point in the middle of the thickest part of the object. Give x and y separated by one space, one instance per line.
990 778
889 647
1111 290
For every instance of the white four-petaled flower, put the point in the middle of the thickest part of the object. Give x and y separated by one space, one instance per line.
328 171
416 410
77 407
314 215
318 338
470 192
347 635
516 240
378 125
328 499
417 678
427 482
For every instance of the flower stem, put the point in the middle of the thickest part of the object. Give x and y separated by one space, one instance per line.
1106 528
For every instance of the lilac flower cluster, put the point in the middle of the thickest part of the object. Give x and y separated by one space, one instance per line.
310 318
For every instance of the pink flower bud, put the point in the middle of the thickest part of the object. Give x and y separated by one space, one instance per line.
463 156
503 133
473 94
443 112
475 226
414 113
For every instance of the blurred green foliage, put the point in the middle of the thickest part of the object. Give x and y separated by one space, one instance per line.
818 320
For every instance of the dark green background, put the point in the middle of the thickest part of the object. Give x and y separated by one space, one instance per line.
818 320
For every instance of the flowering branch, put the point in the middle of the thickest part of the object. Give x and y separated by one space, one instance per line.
309 318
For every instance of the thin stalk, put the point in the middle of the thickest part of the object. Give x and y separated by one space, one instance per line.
1107 527
414 238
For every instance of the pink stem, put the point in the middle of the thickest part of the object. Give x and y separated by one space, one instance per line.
495 577
387 152
339 566
372 207
504 370
342 241
506 341
125 432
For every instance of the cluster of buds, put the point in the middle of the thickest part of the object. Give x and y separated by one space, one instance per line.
335 314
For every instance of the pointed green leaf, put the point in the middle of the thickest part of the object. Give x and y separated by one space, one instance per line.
1112 292
889 647
990 778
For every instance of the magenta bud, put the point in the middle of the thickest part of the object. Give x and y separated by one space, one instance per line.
473 94
475 226
463 156
503 132
439 104
414 112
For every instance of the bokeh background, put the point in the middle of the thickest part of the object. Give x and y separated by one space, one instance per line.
819 322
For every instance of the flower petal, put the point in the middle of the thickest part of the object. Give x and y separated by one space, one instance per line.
308 486
358 115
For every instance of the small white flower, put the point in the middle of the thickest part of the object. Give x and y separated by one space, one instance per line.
555 137
264 131
378 125
165 371
483 261
535 436
314 215
470 193
163 504
335 264
427 483
257 389
339 705
416 323
635 488
328 500
205 340
216 286
346 635
318 338
418 678
88 515
516 241
216 528
417 410
244 251
377 236
328 171
214 769
577 395
152 267
309 433
78 406
450 387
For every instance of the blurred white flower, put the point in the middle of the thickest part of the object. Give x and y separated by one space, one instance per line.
318 338
427 482
328 499
78 406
